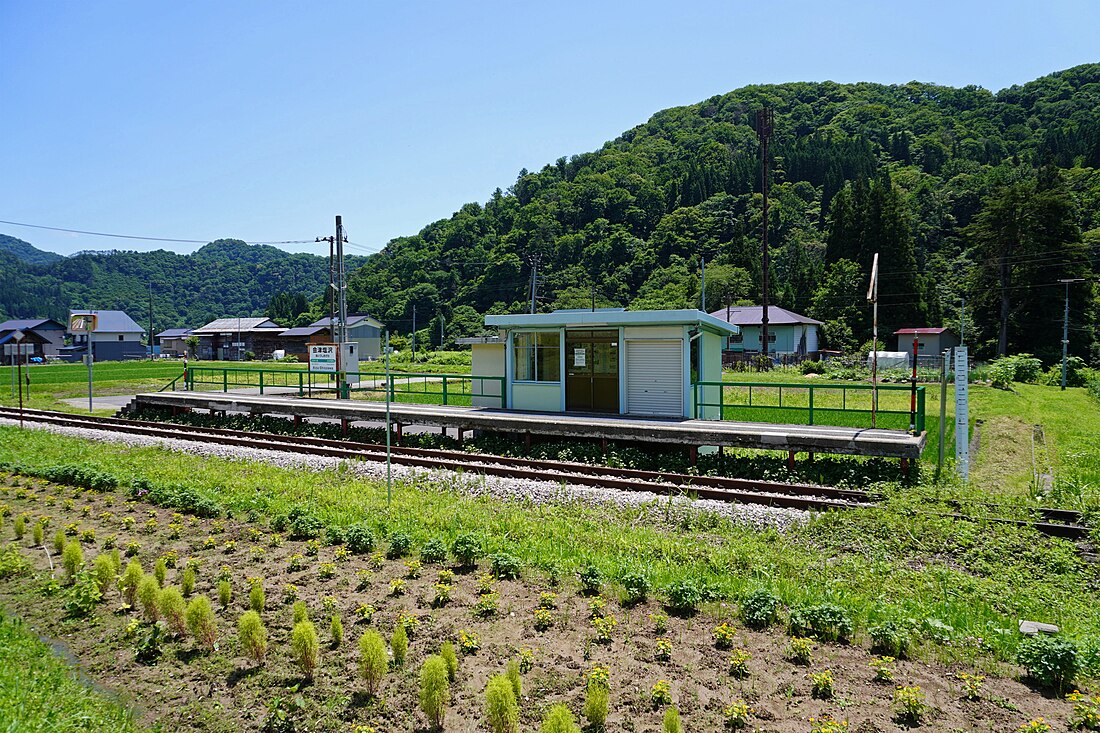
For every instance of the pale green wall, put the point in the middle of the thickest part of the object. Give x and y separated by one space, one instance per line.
487 361
539 397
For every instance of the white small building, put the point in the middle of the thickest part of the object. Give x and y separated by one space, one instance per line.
613 361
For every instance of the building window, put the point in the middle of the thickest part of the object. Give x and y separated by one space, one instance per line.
537 356
737 338
771 336
120 337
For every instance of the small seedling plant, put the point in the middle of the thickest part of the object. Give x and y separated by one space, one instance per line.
660 694
1086 711
821 685
1036 726
663 650
723 635
737 715
800 650
971 685
739 663
884 669
909 705
828 724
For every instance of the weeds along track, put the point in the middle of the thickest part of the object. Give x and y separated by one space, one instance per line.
1055 522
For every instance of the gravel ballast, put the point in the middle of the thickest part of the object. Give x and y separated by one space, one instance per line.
538 492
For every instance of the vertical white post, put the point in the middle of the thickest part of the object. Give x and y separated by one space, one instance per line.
389 466
872 295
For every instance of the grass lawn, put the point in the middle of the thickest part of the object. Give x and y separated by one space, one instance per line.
39 693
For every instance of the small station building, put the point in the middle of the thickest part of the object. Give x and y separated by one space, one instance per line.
610 361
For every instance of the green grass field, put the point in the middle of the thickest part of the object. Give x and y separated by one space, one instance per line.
41 694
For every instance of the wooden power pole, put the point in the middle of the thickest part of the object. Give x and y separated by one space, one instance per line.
765 121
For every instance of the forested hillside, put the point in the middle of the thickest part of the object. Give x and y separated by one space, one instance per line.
965 193
26 252
223 278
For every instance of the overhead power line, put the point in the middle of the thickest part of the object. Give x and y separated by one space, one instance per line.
145 239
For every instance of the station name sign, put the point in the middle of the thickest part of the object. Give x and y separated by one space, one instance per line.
322 358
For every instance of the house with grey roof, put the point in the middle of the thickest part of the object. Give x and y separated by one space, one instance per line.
173 341
116 337
232 339
789 333
49 335
363 329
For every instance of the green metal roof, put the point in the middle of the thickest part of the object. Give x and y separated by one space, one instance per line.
606 318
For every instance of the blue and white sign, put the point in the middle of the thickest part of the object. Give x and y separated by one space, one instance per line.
322 358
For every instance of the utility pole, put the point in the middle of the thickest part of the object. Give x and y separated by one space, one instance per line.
534 260
341 285
442 323
414 333
765 122
1065 327
150 320
703 284
872 295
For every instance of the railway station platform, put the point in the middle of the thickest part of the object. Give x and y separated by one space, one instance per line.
690 433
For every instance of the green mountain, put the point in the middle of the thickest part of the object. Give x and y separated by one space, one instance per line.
27 252
964 193
224 278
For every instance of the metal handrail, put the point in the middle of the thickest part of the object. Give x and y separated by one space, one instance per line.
810 408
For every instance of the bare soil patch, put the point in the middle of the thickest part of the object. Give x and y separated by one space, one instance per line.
190 690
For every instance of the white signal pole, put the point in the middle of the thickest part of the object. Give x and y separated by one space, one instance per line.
872 295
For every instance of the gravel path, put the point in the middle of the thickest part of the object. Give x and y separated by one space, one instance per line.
539 492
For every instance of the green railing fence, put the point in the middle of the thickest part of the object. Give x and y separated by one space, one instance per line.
846 405
404 387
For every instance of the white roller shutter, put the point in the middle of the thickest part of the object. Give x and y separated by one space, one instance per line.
655 377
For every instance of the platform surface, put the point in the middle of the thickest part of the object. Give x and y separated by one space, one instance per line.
762 436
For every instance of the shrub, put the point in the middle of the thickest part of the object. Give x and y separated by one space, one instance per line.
253 636
303 525
501 707
1016 368
442 595
1086 711
435 690
399 643
544 619
172 609
597 701
821 685
400 544
225 593
505 566
591 579
365 612
359 539
72 559
559 720
890 638
20 527
300 612
160 571
372 660
526 660
512 673
760 608
38 534
304 648
663 651
467 549
397 587
434 552
83 596
827 724
1036 726
412 569
290 594
684 595
59 542
825 621
187 580
336 630
128 583
671 722
660 622
1049 660
200 622
636 586
104 570
486 606
468 641
447 653
604 625
256 600
910 707
800 650
660 693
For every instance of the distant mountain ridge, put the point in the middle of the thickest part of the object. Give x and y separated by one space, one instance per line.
27 252
224 278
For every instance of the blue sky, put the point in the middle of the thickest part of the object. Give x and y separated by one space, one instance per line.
262 120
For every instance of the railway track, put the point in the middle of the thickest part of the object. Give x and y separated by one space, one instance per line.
1055 522
794 496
